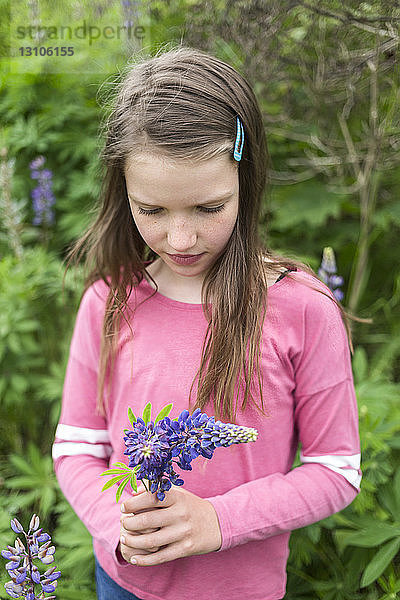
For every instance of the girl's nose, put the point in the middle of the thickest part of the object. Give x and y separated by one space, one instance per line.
181 238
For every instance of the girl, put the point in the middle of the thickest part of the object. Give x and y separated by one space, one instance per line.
183 304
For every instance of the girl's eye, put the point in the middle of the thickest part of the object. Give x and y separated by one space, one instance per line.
141 211
204 209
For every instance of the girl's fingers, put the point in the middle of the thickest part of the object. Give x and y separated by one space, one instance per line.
150 520
141 501
149 541
127 532
170 552
127 551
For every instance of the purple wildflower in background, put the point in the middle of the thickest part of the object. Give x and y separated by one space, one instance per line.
24 574
327 272
100 8
42 196
130 12
153 447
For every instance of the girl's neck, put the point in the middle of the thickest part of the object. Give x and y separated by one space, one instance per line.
171 288
189 291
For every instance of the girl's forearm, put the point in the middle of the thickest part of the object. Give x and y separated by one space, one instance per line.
80 481
280 503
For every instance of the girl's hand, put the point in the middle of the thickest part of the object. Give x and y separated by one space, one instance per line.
126 551
181 525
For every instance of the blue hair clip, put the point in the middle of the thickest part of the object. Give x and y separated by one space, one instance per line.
237 154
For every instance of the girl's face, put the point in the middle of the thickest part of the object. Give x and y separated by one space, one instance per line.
184 208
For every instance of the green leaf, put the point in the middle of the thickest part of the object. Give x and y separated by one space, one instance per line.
27 326
164 412
306 203
120 464
47 500
387 216
147 413
134 482
19 383
380 561
111 482
360 364
396 489
71 593
314 532
131 417
114 472
375 535
21 464
121 487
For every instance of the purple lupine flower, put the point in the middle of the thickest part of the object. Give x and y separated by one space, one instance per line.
148 447
42 195
100 8
37 163
327 272
24 576
153 447
200 435
130 11
16 526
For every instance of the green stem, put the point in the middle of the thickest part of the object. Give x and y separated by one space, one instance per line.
359 272
32 590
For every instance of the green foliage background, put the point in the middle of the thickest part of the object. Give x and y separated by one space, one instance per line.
327 79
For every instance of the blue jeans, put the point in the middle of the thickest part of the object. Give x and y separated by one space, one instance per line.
106 587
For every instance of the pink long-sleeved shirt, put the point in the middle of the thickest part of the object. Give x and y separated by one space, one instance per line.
309 396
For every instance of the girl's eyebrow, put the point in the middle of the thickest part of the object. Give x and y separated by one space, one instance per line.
224 196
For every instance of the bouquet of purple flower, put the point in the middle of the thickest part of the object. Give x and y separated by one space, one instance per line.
24 576
154 447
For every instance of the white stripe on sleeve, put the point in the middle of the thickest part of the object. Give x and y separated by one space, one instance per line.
71 433
72 441
348 466
74 448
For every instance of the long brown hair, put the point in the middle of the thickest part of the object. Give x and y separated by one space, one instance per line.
182 104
